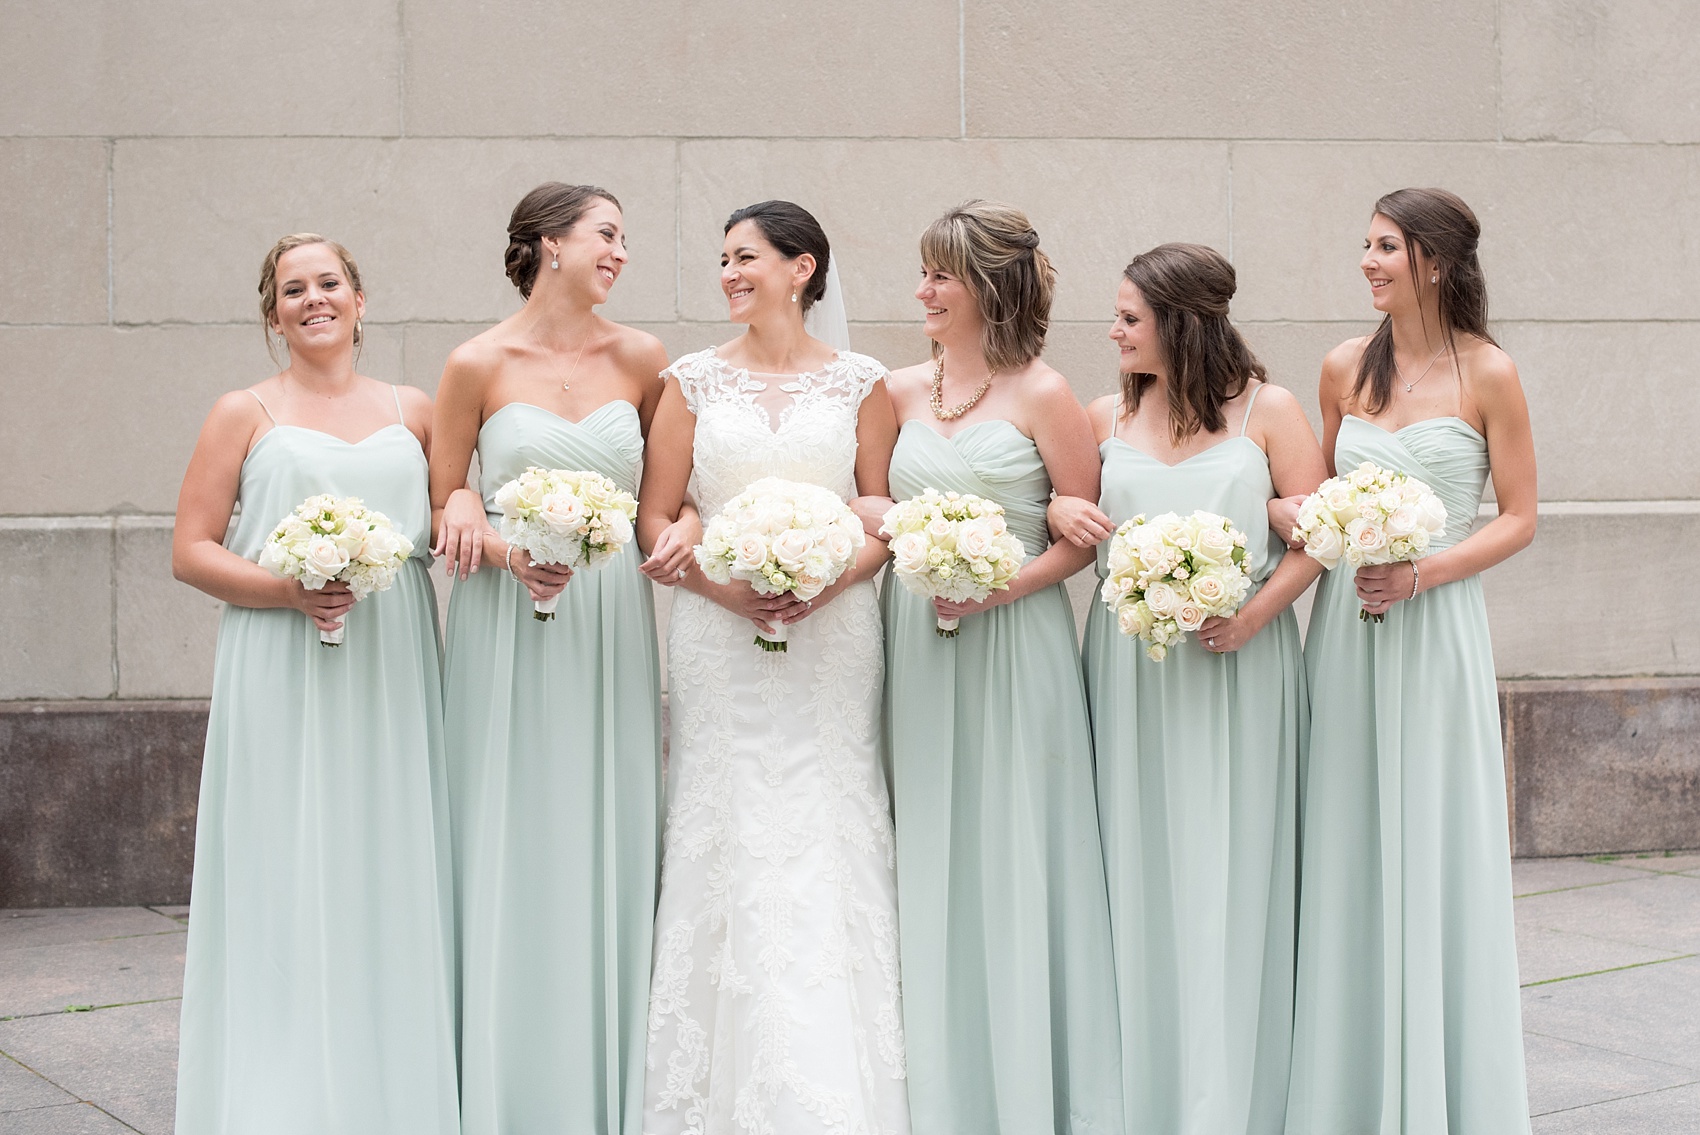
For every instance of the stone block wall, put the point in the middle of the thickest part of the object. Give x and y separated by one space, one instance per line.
149 154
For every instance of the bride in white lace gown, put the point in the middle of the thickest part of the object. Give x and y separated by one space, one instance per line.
775 1004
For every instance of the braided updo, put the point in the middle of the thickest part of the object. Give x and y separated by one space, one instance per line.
549 210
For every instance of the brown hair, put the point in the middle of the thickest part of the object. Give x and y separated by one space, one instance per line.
994 251
549 210
268 283
1439 223
792 230
1187 287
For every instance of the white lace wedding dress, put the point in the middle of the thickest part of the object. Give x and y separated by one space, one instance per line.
774 1006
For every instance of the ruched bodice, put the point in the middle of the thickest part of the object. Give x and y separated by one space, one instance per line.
1445 453
991 459
608 440
385 469
1230 479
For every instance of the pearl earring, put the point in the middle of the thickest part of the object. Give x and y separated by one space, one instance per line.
555 262
1435 279
793 296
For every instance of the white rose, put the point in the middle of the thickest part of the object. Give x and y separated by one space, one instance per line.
1214 544
941 531
1368 537
382 545
975 539
1208 590
1162 599
324 556
1342 502
1325 545
749 552
1433 514
619 527
1189 616
561 512
838 545
275 558
507 499
909 552
530 492
1363 477
1402 521
791 546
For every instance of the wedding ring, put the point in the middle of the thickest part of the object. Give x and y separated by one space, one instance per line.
1212 642
683 572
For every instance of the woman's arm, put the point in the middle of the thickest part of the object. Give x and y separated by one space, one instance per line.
1075 519
876 437
458 522
204 506
1494 387
1333 391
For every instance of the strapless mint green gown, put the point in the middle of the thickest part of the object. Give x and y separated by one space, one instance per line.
554 747
318 988
1008 979
1198 761
1408 1015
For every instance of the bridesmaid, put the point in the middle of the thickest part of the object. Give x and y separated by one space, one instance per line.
1007 970
1198 754
553 728
1408 1013
317 994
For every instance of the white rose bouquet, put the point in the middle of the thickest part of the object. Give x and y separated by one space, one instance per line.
1168 574
1369 516
557 516
331 538
781 536
952 546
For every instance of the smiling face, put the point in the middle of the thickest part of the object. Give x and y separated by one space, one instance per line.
316 305
952 312
756 277
1397 270
592 253
1135 332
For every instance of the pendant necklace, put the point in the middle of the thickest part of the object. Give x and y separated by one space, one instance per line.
937 399
566 383
1420 377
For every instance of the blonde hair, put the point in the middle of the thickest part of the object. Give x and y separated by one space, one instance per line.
994 251
268 283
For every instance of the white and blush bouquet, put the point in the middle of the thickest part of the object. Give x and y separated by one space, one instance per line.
780 536
952 546
559 516
1369 516
329 538
1168 574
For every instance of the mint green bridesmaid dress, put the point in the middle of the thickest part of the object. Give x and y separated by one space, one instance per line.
1198 761
1008 978
318 988
554 749
1408 1019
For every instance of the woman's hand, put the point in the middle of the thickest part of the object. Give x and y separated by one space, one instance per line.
325 606
544 581
1284 517
1078 521
675 550
1223 636
461 532
948 610
746 602
1382 585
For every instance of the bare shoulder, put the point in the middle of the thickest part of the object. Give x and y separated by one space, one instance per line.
638 350
1102 411
1042 385
1340 369
903 379
1487 368
238 412
1272 396
413 399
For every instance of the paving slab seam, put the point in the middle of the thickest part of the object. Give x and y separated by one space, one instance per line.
1616 1099
1689 1068
1608 969
95 1009
1585 886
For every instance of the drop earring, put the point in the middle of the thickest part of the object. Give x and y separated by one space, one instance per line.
555 259
793 296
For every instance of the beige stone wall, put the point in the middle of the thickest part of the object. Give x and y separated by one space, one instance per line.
150 153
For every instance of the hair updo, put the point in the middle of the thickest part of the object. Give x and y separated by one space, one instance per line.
994 250
1188 288
792 230
1446 230
549 210
268 282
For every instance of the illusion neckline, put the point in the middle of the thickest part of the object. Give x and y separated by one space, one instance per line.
837 357
1419 422
559 417
1128 445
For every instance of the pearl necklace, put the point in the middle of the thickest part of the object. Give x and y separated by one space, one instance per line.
937 399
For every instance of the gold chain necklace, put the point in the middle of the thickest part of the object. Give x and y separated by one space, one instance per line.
566 383
937 399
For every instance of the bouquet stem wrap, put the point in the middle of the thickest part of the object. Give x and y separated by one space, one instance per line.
781 536
336 539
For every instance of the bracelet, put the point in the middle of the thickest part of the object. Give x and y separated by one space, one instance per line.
1414 578
509 560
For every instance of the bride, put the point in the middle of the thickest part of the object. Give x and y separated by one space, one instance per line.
774 1005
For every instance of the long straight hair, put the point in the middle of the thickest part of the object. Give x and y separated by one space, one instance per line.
1187 287
1439 223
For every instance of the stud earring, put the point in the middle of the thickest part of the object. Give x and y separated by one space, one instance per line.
1435 279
